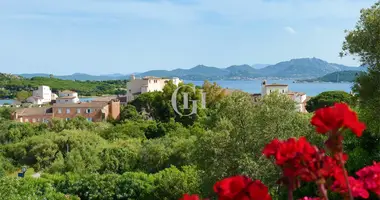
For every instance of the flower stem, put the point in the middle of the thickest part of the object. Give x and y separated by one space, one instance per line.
323 191
290 193
345 176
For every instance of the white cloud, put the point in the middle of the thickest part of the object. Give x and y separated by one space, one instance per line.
290 30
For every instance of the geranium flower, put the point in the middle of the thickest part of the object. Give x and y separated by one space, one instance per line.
335 117
356 186
310 198
190 197
241 188
370 176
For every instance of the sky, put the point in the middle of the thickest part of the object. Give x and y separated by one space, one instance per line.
126 36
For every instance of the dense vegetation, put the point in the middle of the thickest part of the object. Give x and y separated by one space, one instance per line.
328 98
15 86
153 153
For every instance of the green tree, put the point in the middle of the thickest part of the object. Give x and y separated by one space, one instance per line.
23 95
240 130
364 42
129 112
328 98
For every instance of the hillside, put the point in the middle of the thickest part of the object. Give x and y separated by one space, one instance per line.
335 77
80 76
11 84
296 68
302 68
343 76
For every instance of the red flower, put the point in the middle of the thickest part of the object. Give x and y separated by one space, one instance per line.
190 197
356 186
291 155
370 176
241 188
288 150
310 198
335 117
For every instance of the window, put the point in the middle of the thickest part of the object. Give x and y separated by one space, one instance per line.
33 120
283 91
270 91
67 119
67 110
59 110
66 100
68 95
26 120
89 119
88 110
78 110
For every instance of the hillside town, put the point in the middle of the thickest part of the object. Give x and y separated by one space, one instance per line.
67 105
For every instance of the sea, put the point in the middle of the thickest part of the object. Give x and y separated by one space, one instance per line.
254 86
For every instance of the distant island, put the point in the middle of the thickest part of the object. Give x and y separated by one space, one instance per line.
335 77
297 69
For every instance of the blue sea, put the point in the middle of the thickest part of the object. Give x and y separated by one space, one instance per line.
254 86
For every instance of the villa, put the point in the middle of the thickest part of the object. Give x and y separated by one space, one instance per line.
92 111
42 95
299 97
67 97
147 84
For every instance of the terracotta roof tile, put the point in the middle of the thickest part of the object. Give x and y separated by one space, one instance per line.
34 111
81 105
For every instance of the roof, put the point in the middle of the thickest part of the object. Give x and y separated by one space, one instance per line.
67 91
307 99
66 97
275 84
296 93
104 99
36 98
81 105
122 98
34 111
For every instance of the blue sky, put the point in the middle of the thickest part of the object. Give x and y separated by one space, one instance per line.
125 36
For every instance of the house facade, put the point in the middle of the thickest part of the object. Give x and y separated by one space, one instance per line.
67 97
40 96
92 111
269 88
146 84
299 97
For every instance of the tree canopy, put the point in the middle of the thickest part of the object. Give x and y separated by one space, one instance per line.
328 98
364 42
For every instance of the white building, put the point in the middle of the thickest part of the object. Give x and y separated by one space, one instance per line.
67 97
298 97
40 96
269 88
147 84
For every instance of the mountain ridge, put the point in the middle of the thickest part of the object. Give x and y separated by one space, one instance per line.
300 68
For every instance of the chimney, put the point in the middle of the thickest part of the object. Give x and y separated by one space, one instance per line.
264 82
